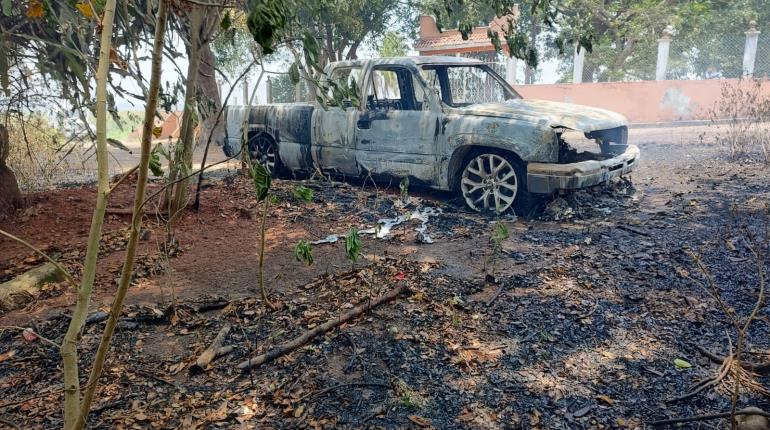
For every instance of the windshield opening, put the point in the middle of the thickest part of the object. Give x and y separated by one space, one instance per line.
465 85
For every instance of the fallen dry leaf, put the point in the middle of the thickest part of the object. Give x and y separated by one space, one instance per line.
605 399
6 355
420 421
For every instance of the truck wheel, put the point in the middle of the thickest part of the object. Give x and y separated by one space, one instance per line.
264 151
495 182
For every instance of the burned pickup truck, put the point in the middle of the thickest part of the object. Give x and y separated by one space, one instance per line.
445 122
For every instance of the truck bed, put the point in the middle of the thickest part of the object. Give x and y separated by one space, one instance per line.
287 123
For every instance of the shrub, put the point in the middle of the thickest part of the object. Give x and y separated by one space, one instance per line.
743 117
36 152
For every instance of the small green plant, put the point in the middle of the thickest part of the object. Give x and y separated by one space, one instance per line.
303 252
409 398
497 237
352 245
403 186
302 193
261 179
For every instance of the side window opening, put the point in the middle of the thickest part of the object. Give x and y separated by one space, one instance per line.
393 88
350 76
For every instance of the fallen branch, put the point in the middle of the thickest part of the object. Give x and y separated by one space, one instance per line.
120 211
27 287
66 273
124 177
760 368
212 306
633 230
211 352
295 343
747 411
497 294
9 423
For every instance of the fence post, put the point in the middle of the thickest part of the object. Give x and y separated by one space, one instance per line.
269 91
750 49
298 92
663 45
577 65
511 64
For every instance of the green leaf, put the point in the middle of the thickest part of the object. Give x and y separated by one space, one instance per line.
294 73
7 7
261 179
681 364
302 193
155 167
227 22
303 252
352 245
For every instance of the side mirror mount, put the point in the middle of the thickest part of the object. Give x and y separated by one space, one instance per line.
364 121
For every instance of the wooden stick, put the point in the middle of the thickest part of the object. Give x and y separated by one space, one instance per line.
747 411
211 352
633 230
124 177
224 350
295 343
760 368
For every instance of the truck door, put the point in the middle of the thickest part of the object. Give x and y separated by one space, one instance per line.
333 144
397 130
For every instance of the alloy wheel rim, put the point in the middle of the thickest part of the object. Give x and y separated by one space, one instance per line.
489 183
262 151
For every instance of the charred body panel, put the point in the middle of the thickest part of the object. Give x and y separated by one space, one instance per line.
288 125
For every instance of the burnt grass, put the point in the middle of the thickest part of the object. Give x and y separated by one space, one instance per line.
579 327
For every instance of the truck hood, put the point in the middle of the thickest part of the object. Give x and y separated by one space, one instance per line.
554 114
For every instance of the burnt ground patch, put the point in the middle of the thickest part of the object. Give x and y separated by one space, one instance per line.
578 327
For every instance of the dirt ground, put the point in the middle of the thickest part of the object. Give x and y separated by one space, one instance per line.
576 323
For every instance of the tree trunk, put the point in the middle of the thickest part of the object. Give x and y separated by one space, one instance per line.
69 349
10 196
209 101
141 183
182 163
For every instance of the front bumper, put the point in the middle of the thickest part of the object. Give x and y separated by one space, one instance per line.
545 178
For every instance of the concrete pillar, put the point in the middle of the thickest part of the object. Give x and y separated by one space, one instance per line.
245 84
268 91
511 65
577 65
664 43
750 49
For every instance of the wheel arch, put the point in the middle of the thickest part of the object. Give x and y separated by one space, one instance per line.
463 154
259 131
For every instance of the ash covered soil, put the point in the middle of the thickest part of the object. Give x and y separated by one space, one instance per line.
575 323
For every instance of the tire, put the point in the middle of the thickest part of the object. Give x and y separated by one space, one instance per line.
263 150
495 182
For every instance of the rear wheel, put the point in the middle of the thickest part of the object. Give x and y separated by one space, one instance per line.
264 151
494 182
